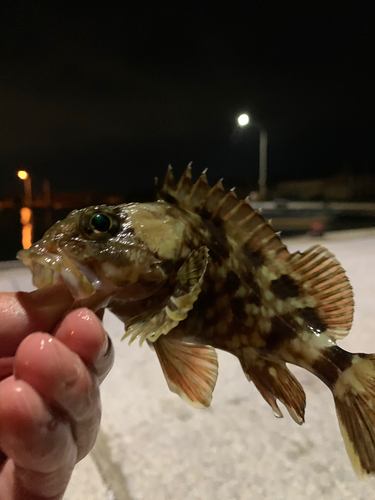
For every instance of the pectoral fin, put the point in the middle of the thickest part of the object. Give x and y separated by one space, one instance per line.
151 324
190 370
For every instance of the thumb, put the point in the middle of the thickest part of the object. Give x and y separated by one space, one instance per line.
24 313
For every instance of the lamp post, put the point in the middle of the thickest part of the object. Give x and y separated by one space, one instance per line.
25 177
242 121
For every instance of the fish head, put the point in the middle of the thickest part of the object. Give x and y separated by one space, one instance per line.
106 249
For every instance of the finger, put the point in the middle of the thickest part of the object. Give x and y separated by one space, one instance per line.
38 443
63 380
23 313
83 333
6 367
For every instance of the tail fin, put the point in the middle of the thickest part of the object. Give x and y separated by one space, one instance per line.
354 393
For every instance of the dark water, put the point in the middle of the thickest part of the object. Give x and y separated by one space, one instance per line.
10 234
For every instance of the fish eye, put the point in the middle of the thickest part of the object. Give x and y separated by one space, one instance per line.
100 225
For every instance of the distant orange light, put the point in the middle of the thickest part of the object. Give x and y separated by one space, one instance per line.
27 227
25 213
27 231
22 174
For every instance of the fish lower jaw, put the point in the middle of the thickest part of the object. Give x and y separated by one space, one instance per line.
50 269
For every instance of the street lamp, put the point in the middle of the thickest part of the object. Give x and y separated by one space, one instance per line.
25 177
242 121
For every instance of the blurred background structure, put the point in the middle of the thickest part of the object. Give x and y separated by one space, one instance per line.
97 100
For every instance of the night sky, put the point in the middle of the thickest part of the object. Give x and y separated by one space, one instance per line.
103 97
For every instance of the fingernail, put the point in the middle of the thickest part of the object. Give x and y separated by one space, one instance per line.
106 346
91 317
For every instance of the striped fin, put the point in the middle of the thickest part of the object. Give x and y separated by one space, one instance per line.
213 197
151 324
235 214
321 275
198 192
185 185
227 204
168 191
190 370
274 381
354 394
240 221
169 182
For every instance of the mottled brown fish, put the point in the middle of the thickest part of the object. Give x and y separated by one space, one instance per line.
199 270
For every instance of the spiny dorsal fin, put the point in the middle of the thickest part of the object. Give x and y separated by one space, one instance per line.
155 322
224 206
184 185
199 192
214 195
321 275
190 370
239 220
169 187
169 182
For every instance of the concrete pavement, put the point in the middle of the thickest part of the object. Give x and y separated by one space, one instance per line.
154 446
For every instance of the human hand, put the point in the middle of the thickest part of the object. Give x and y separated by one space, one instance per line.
49 391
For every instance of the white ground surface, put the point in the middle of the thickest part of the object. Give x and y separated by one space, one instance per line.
154 446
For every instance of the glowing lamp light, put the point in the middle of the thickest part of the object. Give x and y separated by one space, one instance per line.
25 215
25 212
243 120
22 174
27 236
27 227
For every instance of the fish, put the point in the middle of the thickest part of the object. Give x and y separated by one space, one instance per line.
199 270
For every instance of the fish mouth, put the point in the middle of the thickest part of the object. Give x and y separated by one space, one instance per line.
55 268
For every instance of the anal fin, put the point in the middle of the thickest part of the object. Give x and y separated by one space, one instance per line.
190 370
274 381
